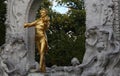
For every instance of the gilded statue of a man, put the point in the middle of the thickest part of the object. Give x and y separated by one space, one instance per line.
41 25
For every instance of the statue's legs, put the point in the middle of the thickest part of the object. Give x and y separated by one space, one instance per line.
42 48
38 46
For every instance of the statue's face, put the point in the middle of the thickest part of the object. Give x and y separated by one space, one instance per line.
103 36
43 13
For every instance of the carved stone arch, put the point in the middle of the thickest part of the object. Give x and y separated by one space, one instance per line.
19 46
18 13
31 13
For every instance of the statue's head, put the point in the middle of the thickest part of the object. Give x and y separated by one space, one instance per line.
43 12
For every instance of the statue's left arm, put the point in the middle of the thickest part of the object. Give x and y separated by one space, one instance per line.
30 24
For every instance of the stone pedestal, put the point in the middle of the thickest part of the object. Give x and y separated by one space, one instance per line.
35 74
53 74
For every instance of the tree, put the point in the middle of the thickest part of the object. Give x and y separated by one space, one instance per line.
2 21
66 34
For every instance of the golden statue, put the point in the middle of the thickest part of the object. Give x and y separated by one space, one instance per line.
41 25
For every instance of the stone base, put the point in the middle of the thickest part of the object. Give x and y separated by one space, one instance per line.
36 74
53 74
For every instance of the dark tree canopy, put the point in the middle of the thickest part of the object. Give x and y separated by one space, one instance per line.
66 36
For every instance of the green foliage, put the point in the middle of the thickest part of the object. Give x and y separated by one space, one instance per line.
66 36
2 20
72 4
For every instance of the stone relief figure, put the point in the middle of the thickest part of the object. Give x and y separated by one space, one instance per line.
91 40
91 37
97 62
105 51
14 59
41 25
104 10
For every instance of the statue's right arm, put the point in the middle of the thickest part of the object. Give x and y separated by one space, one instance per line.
92 60
30 24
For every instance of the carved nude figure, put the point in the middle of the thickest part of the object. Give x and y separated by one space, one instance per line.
41 25
103 55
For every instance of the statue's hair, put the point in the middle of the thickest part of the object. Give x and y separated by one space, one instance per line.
43 9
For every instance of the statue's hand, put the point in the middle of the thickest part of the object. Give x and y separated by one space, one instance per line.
25 25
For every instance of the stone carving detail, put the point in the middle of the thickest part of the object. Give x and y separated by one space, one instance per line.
117 19
15 19
14 53
102 49
14 58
